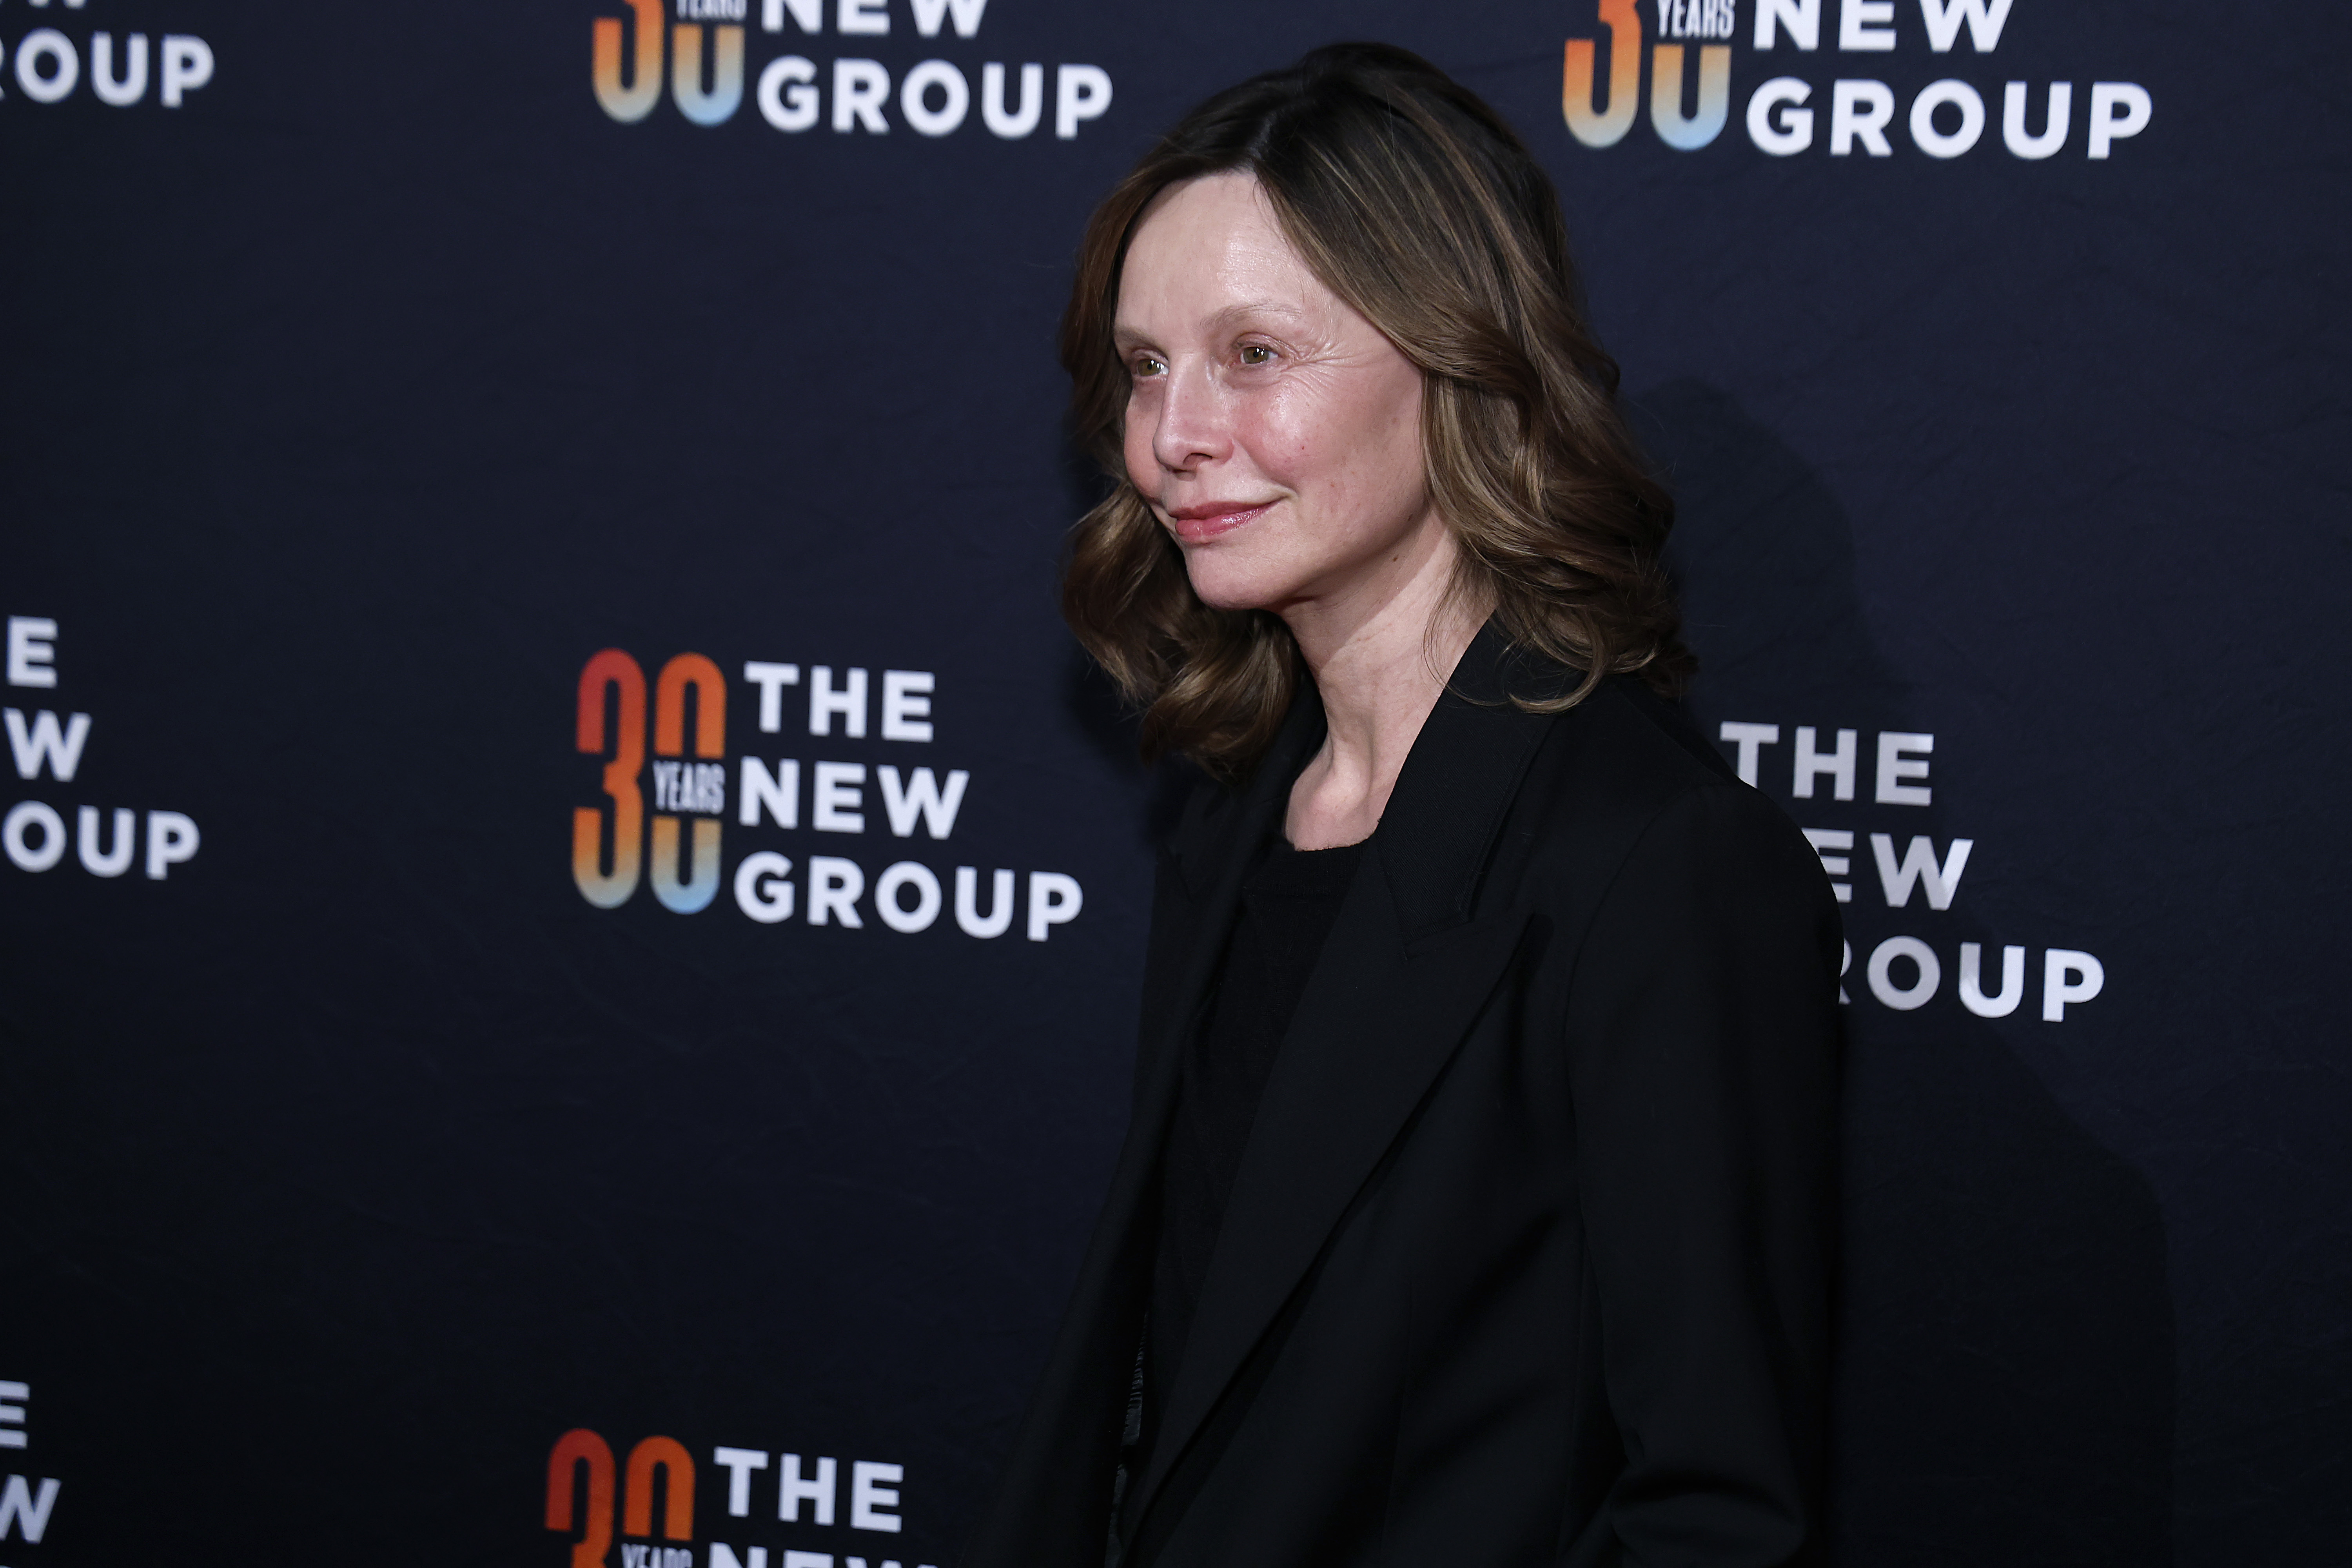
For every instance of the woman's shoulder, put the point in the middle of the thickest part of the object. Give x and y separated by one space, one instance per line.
1665 735
1630 747
1628 766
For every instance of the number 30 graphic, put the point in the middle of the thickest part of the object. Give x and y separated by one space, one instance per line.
613 835
581 1456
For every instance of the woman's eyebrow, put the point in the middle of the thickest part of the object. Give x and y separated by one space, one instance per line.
1126 336
1237 315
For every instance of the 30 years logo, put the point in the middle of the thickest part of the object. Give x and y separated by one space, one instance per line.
33 833
581 1495
27 1503
675 730
698 57
649 1501
49 62
1945 119
1902 973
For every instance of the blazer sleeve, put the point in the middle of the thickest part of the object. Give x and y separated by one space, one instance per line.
1702 1033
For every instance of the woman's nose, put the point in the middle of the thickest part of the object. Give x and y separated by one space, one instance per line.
1194 427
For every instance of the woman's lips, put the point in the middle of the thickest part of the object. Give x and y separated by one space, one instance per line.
1198 524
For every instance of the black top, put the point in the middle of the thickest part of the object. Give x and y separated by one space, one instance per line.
1288 906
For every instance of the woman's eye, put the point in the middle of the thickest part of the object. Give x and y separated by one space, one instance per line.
1146 365
1256 354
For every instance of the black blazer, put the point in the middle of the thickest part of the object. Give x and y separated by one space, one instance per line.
1528 1259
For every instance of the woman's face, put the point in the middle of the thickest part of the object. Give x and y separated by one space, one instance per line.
1273 430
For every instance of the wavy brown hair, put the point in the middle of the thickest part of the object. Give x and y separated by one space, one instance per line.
1413 202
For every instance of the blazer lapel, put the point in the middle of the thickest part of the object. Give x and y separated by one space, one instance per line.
1402 975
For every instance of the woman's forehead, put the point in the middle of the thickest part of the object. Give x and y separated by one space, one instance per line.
1209 249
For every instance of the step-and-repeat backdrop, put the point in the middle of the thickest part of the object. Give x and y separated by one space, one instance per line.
572 916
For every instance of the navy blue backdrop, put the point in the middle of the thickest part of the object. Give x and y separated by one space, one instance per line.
497 1067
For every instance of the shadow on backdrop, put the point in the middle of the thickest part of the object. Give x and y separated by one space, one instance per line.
2006 1358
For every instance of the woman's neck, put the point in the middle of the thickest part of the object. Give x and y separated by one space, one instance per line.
1379 665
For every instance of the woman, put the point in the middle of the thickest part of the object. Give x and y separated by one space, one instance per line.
1476 1207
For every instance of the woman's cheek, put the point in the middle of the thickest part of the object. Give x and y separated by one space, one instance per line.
1142 463
1268 429
1309 427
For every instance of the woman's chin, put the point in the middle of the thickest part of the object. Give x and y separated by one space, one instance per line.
1220 586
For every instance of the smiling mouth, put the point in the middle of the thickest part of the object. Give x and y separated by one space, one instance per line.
1198 524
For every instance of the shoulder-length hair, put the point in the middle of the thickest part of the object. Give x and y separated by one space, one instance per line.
1414 203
